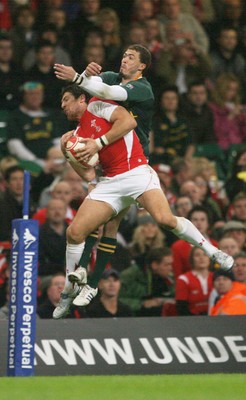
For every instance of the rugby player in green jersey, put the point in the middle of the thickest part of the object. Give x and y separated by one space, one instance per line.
130 88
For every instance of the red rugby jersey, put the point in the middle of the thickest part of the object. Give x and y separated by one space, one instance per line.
118 157
190 288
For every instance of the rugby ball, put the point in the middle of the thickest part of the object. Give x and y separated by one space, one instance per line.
72 145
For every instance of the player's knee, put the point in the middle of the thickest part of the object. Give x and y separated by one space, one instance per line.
168 221
74 235
111 229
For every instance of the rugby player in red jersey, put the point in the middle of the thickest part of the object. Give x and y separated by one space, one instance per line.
131 89
127 178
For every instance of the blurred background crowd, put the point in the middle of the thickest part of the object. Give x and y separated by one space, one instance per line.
197 147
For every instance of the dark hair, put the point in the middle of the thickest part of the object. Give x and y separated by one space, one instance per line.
169 88
241 254
76 91
196 83
220 272
19 10
179 164
49 28
157 255
11 170
165 89
144 54
43 43
199 209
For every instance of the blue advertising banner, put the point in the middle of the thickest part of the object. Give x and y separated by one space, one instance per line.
23 294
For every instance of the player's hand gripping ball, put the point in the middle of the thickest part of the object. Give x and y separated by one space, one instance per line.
72 145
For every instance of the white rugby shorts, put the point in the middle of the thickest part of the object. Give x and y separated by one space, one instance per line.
122 190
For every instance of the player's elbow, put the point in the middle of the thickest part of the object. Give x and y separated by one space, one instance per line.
129 125
132 123
104 92
115 92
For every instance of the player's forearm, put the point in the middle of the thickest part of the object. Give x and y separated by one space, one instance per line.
95 86
119 129
85 174
122 123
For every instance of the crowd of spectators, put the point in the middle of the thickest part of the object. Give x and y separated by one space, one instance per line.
197 147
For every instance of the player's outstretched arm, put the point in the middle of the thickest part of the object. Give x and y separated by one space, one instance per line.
64 72
93 69
68 73
92 84
95 87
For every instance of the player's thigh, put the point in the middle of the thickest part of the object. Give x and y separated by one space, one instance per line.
112 226
90 216
155 202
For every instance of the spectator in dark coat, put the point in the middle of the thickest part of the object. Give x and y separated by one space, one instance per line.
52 239
11 203
11 77
146 289
43 72
195 109
226 58
107 304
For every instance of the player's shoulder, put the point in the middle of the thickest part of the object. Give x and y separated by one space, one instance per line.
142 84
102 108
110 77
96 102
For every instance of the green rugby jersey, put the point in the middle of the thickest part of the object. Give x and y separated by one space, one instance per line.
174 137
36 130
140 103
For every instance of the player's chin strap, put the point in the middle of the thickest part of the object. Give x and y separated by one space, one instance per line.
101 142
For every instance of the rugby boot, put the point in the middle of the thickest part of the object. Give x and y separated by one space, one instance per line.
224 260
85 296
78 276
64 304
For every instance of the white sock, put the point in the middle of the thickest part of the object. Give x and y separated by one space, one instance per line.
73 254
187 231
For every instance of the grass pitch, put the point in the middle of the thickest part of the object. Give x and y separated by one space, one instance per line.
144 387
